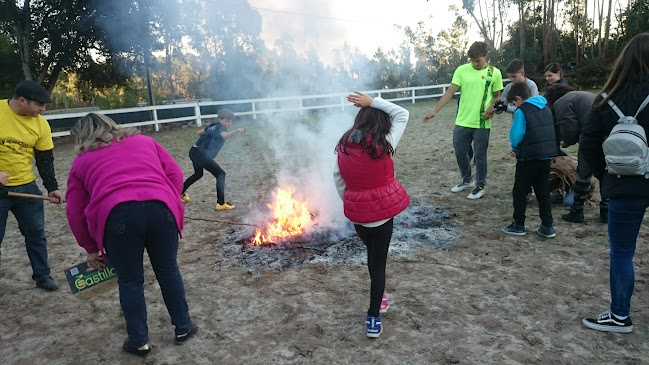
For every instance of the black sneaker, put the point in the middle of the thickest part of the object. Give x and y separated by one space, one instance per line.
47 283
547 232
608 323
141 351
515 229
573 217
181 339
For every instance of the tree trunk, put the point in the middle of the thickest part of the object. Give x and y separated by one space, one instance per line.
607 30
23 37
170 73
583 29
521 30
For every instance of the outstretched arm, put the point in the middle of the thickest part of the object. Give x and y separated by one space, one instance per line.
448 95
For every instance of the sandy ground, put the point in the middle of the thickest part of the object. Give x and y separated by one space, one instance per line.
481 297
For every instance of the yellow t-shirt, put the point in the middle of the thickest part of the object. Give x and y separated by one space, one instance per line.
19 136
472 83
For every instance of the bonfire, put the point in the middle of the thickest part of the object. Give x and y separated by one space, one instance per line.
290 219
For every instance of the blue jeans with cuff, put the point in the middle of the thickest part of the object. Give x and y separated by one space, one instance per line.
624 220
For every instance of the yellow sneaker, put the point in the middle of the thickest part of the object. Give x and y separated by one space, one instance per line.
224 206
184 198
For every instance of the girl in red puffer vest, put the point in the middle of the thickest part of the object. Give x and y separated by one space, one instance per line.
372 196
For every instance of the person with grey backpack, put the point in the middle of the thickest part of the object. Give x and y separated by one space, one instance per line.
616 146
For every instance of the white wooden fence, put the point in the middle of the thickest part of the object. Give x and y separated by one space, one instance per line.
149 115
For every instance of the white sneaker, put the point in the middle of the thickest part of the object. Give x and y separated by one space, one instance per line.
462 186
477 193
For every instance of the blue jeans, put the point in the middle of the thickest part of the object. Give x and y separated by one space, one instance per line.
131 228
462 138
624 220
31 221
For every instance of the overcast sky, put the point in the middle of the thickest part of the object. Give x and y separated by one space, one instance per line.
363 24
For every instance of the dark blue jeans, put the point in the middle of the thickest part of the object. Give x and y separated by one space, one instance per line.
31 221
200 162
624 220
377 241
131 228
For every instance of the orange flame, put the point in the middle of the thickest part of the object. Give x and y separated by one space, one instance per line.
291 218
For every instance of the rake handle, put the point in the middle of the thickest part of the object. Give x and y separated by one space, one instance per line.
31 196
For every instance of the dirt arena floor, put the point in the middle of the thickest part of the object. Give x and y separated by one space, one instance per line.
461 291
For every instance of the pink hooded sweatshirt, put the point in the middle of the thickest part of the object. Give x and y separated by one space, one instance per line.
136 169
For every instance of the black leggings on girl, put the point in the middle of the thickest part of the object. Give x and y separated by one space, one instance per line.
377 241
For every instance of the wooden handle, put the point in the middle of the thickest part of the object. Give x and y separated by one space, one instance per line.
31 196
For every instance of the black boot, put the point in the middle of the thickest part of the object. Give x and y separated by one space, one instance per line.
603 215
573 217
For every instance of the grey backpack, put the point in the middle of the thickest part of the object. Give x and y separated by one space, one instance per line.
625 149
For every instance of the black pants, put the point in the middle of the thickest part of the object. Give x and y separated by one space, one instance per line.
377 241
534 173
200 161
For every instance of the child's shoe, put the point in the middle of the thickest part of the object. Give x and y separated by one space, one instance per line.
224 206
374 327
547 232
184 198
515 229
384 304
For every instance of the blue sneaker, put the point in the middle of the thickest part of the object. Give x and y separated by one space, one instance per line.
374 327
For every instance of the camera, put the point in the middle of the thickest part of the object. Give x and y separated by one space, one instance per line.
500 107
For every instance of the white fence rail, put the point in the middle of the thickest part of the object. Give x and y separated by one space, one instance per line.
152 115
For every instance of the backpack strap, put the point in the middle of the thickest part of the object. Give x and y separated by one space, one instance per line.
619 112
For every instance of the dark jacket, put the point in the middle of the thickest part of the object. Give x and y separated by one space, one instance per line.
538 142
599 125
571 111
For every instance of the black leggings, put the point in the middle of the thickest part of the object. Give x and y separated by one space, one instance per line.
200 161
377 241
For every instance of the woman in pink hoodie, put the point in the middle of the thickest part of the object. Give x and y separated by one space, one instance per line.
122 198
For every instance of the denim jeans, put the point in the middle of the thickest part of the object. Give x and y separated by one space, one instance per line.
377 241
624 220
131 228
462 138
31 221
200 161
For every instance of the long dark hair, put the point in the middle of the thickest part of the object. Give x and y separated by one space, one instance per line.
634 58
370 130
554 67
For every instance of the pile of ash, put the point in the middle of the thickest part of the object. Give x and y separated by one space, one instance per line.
420 225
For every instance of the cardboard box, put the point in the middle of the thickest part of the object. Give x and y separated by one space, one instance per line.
87 283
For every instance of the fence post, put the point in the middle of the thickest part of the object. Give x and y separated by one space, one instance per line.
155 117
342 103
197 111
254 110
413 96
301 106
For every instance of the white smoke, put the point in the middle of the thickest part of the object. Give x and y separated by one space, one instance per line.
303 154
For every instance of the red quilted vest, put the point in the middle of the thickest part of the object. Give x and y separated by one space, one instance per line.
373 193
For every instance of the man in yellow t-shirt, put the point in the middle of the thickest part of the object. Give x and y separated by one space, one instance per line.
26 135
481 85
